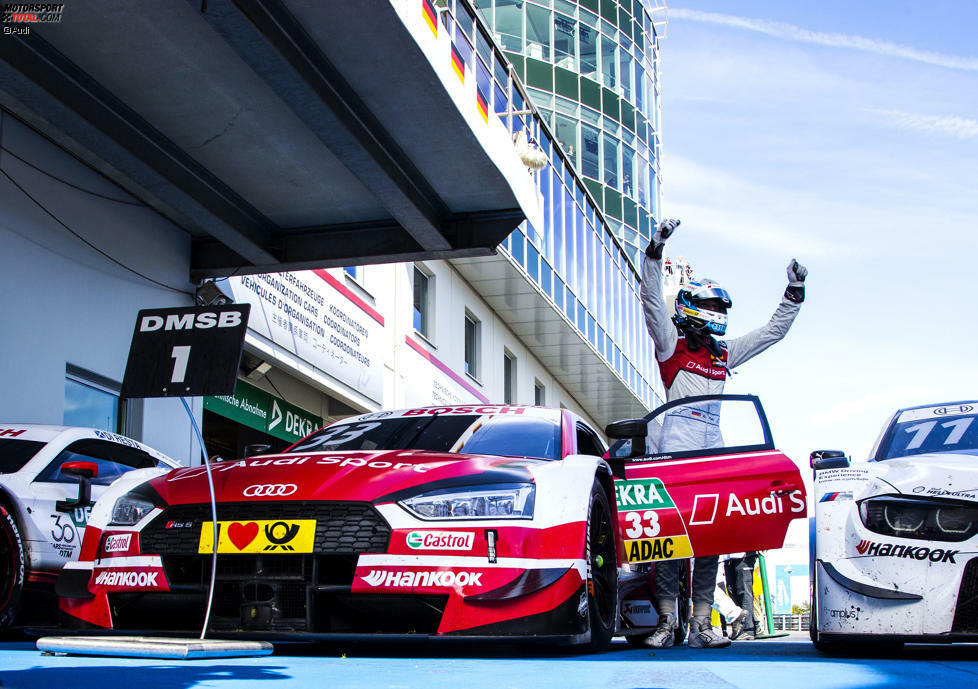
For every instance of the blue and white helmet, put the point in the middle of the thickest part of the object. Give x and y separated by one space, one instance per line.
703 304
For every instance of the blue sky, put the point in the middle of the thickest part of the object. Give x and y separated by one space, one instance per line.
846 135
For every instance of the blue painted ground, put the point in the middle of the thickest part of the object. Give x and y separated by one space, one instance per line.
770 664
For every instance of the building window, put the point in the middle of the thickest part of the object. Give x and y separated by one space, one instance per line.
422 302
509 378
473 335
92 401
539 394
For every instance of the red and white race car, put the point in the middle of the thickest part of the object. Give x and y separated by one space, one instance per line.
481 521
49 478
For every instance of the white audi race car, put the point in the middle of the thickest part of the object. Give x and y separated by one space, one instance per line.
895 539
472 521
50 476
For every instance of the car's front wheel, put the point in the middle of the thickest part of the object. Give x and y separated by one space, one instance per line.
602 582
12 563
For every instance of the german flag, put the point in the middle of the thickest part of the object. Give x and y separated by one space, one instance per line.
483 104
429 16
458 64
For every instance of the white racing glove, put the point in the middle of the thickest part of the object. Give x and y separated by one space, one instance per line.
795 291
662 233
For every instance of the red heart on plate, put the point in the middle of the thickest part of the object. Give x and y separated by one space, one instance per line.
242 534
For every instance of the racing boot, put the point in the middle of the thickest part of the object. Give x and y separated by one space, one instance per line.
664 634
737 625
702 634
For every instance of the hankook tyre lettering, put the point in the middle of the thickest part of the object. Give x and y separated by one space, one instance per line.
11 567
268 490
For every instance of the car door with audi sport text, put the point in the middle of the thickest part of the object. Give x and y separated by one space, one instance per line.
708 481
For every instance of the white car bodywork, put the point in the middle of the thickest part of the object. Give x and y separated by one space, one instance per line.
51 537
881 578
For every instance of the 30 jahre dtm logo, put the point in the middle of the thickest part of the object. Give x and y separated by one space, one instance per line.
22 14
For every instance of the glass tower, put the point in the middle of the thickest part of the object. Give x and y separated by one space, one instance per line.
590 67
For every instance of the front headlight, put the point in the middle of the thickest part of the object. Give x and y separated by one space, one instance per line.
935 520
506 501
129 510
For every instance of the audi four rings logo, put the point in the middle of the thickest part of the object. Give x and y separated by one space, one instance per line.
268 490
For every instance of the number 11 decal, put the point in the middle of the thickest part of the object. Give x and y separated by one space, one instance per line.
180 356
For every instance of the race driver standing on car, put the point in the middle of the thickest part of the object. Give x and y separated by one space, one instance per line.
693 362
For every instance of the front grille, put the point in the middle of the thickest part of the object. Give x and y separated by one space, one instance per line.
966 611
341 527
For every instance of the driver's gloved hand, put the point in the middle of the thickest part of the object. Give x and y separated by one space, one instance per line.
662 233
795 291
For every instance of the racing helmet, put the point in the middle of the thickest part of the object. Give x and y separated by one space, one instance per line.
703 304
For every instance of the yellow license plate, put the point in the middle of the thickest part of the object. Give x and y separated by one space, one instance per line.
259 536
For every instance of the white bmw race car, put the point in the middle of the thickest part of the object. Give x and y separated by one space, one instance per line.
49 478
895 542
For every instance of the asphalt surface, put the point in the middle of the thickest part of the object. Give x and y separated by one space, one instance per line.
766 664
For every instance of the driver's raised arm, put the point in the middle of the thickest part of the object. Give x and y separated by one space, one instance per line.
657 319
746 347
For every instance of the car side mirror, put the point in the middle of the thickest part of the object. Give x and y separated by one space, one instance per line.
256 449
828 459
633 429
84 472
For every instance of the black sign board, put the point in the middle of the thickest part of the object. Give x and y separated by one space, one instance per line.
186 351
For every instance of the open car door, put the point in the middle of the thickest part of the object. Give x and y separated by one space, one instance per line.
704 480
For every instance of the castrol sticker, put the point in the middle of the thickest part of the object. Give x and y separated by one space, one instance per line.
440 540
117 543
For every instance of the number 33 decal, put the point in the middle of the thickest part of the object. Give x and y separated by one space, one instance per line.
642 524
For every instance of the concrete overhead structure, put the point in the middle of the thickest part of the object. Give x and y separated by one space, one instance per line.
279 134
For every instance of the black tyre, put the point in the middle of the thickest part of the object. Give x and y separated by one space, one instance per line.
683 605
11 567
602 583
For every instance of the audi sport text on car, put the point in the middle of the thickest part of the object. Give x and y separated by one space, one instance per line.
49 478
895 543
476 521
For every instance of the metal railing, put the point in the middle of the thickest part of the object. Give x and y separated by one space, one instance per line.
788 623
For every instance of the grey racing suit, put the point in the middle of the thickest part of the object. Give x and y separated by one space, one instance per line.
688 372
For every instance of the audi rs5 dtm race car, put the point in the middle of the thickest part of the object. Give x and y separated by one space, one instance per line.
895 542
49 478
473 521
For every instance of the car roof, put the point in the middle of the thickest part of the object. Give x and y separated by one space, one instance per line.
31 431
47 433
939 404
515 410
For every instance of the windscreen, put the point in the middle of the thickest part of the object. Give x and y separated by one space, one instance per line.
14 453
958 433
491 435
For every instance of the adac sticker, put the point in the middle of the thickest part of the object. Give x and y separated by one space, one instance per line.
651 549
643 493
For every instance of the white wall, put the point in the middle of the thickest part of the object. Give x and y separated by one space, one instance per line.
64 302
392 289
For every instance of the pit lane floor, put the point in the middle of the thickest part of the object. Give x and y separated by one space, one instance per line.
768 664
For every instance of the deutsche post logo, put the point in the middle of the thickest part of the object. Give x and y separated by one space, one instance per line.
259 536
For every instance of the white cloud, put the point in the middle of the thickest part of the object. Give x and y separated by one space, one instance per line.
774 221
835 40
951 125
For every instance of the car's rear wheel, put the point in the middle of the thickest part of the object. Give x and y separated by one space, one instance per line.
602 582
12 562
